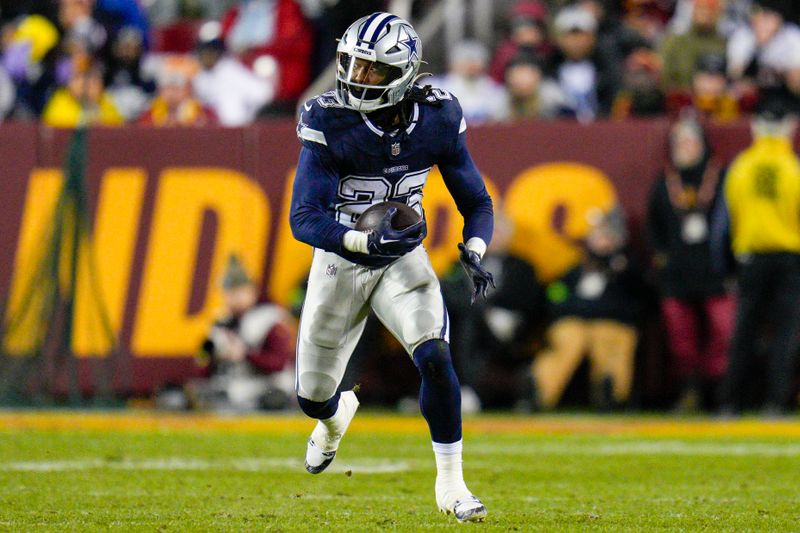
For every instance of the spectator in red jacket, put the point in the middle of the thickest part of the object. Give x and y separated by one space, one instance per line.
247 356
528 34
277 29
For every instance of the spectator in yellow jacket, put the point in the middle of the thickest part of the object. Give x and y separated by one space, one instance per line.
83 101
762 194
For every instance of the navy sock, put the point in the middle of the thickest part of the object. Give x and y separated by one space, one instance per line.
319 410
439 394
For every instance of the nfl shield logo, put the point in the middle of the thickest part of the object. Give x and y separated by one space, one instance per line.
395 149
331 270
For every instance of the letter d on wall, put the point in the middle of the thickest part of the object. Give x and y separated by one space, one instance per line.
164 325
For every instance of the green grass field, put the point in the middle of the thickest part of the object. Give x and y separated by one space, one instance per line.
142 472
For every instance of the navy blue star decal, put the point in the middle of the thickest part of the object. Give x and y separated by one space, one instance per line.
411 44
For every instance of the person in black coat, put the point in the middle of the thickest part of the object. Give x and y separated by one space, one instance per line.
697 310
594 309
588 74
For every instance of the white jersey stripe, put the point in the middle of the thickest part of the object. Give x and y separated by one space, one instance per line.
414 119
308 134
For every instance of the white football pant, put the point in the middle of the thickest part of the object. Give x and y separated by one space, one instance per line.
404 295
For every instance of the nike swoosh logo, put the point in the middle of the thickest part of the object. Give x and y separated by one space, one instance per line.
307 107
386 241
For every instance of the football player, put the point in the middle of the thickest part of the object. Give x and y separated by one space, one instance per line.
374 139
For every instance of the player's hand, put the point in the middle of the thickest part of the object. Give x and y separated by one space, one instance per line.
480 279
389 242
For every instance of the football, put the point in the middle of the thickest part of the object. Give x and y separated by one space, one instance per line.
405 216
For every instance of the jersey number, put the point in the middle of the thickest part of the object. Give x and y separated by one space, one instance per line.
359 193
438 94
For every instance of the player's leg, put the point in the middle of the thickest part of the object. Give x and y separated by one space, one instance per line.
333 318
440 404
409 302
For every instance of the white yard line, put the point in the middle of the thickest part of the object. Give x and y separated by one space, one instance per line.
628 447
246 464
476 454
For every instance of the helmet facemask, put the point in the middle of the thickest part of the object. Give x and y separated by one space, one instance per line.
364 84
378 58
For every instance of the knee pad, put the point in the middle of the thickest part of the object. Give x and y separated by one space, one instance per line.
316 386
319 410
433 360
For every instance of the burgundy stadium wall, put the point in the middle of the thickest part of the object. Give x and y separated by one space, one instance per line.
169 206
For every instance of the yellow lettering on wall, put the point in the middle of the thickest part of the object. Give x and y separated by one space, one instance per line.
291 258
163 325
25 306
103 289
547 195
437 200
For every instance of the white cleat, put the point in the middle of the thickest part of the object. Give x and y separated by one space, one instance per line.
469 509
324 442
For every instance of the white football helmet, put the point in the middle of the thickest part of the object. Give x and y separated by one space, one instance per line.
378 59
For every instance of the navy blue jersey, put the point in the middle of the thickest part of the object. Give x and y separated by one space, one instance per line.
348 164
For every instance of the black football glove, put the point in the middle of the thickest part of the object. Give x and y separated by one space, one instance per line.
389 242
479 278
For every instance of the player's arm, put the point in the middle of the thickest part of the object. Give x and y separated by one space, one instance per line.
466 186
313 194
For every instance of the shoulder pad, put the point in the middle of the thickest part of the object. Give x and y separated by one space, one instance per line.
445 101
451 109
328 99
313 117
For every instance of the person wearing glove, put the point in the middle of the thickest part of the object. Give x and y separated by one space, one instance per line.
375 139
390 242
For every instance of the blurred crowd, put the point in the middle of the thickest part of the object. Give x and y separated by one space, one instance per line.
230 62
590 59
163 62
